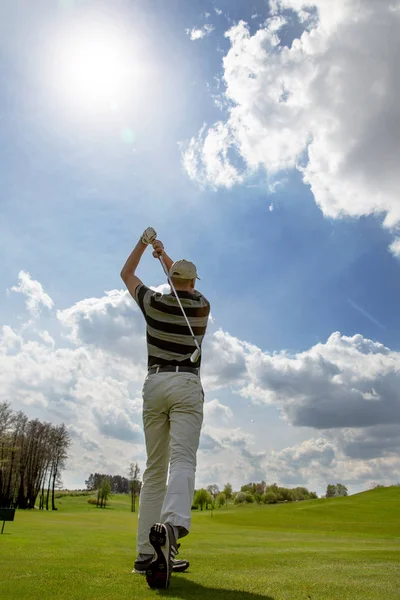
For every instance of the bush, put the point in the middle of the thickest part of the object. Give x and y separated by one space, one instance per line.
92 501
240 498
270 498
249 498
195 508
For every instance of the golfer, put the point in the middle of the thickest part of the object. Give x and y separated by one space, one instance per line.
173 400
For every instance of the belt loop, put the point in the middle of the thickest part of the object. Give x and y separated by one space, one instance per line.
157 370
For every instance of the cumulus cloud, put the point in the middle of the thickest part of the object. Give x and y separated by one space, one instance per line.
327 106
367 443
34 293
346 388
295 465
319 461
198 34
88 373
215 411
345 382
113 323
206 158
231 455
395 247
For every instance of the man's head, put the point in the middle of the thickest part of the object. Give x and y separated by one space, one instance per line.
183 274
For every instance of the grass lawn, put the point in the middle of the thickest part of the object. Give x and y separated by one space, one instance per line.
339 549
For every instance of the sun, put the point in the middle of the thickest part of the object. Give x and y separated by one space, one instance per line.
94 67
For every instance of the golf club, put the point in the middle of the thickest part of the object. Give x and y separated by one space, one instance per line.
196 353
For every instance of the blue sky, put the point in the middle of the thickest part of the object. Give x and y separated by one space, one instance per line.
83 174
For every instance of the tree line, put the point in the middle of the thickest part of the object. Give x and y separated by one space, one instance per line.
260 493
32 458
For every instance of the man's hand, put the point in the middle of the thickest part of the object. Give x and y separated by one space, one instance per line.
149 236
158 248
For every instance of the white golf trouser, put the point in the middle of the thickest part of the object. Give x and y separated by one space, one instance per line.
172 420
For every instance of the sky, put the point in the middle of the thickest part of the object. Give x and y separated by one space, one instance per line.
261 141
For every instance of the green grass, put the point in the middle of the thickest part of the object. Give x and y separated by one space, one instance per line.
345 548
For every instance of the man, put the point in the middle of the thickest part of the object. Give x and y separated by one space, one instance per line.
172 410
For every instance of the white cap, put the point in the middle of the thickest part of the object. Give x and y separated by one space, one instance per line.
183 269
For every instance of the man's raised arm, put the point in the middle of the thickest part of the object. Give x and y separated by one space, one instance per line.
128 270
158 250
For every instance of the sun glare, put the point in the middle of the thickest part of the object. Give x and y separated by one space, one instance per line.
94 67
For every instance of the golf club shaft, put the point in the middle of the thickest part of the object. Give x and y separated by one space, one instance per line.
196 353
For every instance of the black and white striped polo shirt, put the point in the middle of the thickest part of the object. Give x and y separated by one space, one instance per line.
168 337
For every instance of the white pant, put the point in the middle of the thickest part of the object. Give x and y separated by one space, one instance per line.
172 420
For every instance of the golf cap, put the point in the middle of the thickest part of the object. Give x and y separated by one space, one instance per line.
183 269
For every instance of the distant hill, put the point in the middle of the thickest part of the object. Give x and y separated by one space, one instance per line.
375 512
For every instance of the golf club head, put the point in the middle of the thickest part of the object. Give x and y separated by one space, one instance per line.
195 356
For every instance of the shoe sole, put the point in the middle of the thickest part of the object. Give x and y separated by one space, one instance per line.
158 573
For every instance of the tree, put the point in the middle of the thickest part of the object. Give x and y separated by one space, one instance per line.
104 492
200 498
28 457
227 491
341 490
90 483
61 443
221 500
134 484
249 498
330 491
213 491
258 497
333 491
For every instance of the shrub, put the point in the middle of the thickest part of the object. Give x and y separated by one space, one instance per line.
240 498
270 498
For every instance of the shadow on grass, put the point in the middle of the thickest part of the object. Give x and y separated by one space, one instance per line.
186 589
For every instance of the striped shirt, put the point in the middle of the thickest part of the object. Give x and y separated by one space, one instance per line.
169 341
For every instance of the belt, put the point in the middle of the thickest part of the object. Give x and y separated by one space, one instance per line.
172 369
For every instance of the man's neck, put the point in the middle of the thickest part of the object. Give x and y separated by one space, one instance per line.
182 289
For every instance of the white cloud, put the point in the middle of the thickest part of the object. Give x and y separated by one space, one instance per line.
318 461
346 382
88 373
395 247
34 293
214 411
218 11
113 323
206 158
200 33
327 106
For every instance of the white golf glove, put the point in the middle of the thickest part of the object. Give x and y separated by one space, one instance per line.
149 235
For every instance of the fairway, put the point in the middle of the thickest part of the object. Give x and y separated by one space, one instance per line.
344 549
